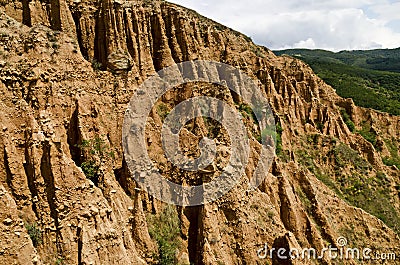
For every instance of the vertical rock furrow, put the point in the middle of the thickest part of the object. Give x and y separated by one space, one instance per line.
181 37
139 56
9 176
29 168
292 216
55 15
161 53
26 13
146 65
80 244
74 137
131 33
15 181
169 16
100 38
317 214
194 215
50 190
81 37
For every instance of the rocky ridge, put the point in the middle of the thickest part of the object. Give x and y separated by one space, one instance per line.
68 70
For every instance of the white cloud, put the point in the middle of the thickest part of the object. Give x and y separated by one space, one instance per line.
333 24
308 43
387 11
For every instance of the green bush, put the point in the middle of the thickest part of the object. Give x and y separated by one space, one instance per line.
165 230
279 131
246 110
91 169
394 159
162 111
367 134
96 65
59 261
347 120
96 152
344 156
34 233
276 135
390 162
320 126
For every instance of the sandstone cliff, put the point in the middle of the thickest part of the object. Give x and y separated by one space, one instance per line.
68 70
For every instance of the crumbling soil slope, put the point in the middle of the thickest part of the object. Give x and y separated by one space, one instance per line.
68 70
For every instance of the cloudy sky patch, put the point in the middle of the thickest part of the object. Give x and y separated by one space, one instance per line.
333 25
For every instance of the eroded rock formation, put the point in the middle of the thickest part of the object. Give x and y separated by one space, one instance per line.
68 70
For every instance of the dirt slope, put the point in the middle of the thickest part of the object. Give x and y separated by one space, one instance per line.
68 71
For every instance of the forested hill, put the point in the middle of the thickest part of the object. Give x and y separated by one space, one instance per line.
371 78
381 59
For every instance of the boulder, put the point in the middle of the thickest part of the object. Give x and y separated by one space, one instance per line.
119 61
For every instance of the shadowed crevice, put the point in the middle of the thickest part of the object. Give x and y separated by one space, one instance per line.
194 215
26 13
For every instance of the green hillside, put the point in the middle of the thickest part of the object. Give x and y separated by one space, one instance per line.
371 78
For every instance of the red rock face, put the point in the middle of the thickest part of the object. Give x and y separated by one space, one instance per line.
67 77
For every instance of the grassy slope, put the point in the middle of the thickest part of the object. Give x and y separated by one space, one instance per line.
350 175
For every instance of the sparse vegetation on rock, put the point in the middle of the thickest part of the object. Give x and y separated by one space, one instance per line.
97 151
61 125
34 233
165 230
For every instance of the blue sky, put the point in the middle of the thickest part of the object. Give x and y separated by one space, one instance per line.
332 25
